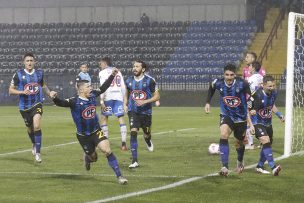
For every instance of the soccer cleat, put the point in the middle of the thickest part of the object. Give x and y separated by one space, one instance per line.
151 149
239 167
38 158
224 172
87 162
122 180
33 150
134 165
261 170
276 170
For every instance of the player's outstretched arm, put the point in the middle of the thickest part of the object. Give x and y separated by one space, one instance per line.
107 83
278 113
61 102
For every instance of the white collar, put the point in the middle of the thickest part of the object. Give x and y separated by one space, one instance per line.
30 73
137 80
85 99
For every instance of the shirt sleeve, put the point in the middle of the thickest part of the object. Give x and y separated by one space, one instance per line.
64 102
104 86
153 86
211 91
15 80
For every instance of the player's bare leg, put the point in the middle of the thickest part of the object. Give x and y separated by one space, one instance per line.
123 132
104 125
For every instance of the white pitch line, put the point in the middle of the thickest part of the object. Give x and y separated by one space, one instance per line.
172 185
70 143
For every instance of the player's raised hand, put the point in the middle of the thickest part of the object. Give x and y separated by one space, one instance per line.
207 108
114 71
53 94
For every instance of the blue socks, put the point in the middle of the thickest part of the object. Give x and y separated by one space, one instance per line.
267 151
262 160
114 164
38 138
134 145
224 152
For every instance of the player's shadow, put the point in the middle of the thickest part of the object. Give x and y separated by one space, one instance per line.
21 159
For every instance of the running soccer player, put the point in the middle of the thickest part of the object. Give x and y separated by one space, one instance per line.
233 115
89 134
262 107
112 100
29 84
142 91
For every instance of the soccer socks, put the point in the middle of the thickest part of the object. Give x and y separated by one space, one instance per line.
38 138
134 145
123 132
224 151
240 152
114 164
31 136
267 151
262 160
105 130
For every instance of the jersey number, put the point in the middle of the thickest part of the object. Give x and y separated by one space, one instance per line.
116 81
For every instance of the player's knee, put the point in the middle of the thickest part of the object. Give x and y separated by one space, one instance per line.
239 144
264 140
94 157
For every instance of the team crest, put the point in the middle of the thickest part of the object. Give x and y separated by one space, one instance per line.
232 101
138 95
265 112
33 88
89 112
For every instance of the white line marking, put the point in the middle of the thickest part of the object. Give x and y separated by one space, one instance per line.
172 185
70 143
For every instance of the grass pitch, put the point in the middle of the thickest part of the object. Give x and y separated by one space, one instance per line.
181 137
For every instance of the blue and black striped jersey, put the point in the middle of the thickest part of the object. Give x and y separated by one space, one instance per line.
262 104
33 82
83 110
141 90
233 101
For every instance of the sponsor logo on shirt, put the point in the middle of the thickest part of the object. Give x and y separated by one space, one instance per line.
265 112
232 101
32 88
138 95
89 112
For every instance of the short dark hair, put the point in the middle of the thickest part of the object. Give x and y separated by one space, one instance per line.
28 54
80 83
253 54
256 65
230 67
107 60
268 78
143 64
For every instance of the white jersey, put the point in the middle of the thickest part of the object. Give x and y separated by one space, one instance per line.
117 89
255 82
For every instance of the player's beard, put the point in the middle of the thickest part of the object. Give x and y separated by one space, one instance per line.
137 73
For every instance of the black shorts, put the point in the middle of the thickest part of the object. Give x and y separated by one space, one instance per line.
262 130
89 143
137 120
238 129
28 114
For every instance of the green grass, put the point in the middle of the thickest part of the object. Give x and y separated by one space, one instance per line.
178 155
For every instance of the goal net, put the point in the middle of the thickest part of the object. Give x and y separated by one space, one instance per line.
294 127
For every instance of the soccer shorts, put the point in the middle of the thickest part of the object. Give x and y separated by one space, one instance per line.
262 130
238 128
89 143
137 120
28 114
113 107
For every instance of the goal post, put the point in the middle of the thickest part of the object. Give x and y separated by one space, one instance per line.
294 120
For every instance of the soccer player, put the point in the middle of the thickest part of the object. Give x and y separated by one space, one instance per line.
142 91
263 103
29 84
84 75
112 100
89 134
255 81
233 115
250 58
